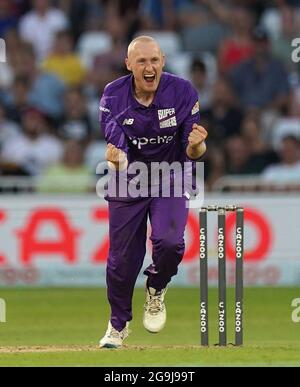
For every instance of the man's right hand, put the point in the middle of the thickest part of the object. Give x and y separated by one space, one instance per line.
116 158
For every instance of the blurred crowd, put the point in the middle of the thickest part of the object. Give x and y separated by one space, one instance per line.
61 54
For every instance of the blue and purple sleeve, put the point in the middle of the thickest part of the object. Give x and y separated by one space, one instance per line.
111 129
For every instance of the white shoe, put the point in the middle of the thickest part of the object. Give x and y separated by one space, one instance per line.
155 314
114 338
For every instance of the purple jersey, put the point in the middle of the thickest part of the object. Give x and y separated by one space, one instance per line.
156 133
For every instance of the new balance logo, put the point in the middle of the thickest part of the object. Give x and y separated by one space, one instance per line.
128 121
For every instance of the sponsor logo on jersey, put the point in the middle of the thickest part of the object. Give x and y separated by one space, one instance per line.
159 140
167 118
104 109
196 108
168 123
165 113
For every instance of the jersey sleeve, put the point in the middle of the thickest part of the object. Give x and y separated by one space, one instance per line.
192 114
111 129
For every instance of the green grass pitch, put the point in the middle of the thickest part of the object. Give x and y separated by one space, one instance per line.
62 327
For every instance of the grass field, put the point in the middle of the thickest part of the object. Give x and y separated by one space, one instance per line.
50 327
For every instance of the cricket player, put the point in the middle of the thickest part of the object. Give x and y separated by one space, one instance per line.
149 116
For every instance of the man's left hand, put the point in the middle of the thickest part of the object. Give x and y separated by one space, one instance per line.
197 136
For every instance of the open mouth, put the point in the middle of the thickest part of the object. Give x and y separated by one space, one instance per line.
149 78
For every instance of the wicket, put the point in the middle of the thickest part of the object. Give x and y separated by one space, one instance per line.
222 307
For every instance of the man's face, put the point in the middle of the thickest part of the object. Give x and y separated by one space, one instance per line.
25 64
5 7
63 45
222 94
33 124
41 5
198 77
146 62
290 151
262 48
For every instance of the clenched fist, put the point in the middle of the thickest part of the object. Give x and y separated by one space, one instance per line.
196 147
116 158
197 136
